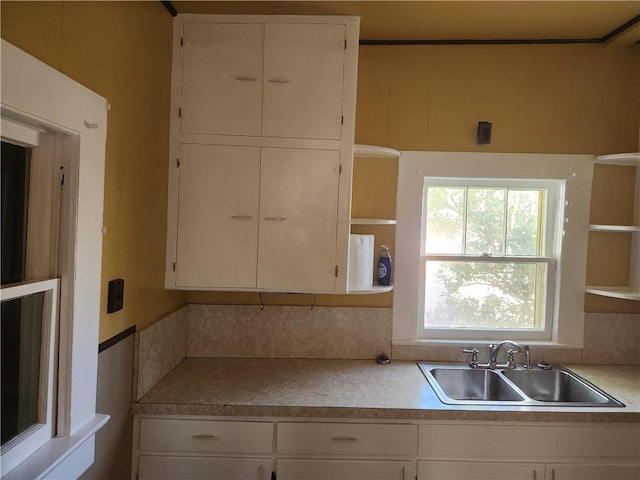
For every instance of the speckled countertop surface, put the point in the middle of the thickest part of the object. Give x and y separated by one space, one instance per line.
355 389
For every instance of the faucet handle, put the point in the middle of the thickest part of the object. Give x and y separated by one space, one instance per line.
473 363
511 363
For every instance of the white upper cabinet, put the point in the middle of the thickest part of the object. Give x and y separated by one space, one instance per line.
218 208
303 98
269 79
261 152
298 215
222 78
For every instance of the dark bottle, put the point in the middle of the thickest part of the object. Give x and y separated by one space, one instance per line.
384 267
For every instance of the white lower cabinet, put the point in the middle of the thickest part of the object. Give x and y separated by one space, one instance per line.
497 450
179 448
526 471
203 468
479 470
230 448
349 451
345 470
593 471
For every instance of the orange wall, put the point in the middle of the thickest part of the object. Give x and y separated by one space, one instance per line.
547 99
121 50
541 99
556 99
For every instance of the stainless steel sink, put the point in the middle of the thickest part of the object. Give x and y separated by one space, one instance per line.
557 386
473 384
457 384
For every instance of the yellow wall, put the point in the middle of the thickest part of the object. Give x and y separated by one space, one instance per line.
556 99
545 99
121 50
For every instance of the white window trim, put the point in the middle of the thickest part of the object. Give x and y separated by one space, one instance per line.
576 170
37 95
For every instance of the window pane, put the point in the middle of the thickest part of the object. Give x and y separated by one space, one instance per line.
485 221
15 200
21 348
445 220
484 295
524 222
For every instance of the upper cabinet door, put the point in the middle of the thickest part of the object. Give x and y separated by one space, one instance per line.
217 243
222 78
303 80
298 218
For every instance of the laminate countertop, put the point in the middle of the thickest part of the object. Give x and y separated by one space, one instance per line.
356 389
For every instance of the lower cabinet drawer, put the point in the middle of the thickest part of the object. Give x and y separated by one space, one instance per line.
541 441
480 471
347 439
345 469
203 468
179 435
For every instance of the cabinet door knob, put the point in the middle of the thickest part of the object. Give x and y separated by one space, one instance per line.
279 80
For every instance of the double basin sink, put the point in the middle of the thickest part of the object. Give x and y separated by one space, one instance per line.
457 384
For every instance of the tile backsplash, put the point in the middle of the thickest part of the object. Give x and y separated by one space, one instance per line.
158 349
288 332
337 332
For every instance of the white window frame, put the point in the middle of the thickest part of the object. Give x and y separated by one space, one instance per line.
40 97
551 247
575 170
37 435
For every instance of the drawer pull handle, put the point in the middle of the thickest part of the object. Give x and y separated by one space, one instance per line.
279 80
205 436
246 79
344 438
275 219
242 217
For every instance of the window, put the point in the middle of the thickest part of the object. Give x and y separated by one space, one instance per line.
31 195
488 257
41 99
491 247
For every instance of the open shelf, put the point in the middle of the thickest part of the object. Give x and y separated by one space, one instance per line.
372 290
614 292
614 228
372 221
374 151
628 159
632 291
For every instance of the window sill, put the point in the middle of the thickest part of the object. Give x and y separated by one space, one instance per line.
475 343
53 453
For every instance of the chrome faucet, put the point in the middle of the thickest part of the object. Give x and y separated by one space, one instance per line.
494 349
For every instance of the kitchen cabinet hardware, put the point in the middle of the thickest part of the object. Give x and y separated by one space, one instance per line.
246 79
205 436
344 438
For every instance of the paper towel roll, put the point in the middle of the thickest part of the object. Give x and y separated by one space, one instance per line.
361 261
